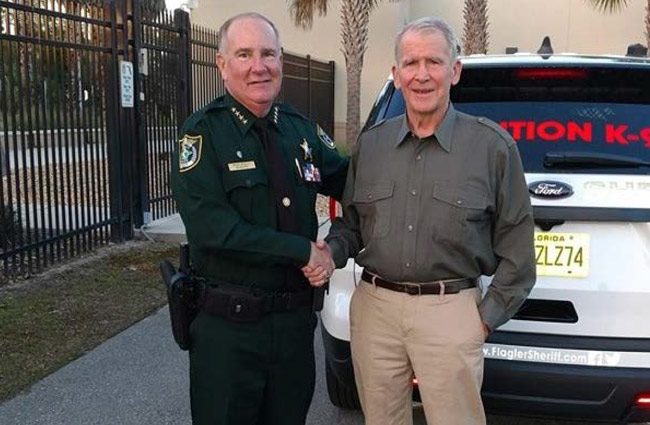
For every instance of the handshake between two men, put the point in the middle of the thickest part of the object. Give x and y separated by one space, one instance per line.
320 267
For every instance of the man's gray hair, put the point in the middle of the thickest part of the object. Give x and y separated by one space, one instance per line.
223 31
429 24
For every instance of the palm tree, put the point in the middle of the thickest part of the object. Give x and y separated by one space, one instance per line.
355 15
615 5
475 29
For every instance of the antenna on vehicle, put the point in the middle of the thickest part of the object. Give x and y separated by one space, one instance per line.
546 50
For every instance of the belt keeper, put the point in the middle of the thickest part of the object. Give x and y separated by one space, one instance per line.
442 289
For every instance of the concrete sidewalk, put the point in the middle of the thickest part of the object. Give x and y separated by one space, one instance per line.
138 377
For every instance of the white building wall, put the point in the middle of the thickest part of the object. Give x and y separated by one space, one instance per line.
573 26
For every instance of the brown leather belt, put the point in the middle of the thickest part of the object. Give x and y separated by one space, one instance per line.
446 286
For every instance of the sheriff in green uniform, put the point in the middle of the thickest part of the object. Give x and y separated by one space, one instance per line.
246 175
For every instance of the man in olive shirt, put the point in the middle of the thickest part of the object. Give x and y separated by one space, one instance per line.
246 175
434 199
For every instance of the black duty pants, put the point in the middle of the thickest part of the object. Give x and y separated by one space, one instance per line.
252 373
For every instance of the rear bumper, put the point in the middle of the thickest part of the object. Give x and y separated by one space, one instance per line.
564 391
603 394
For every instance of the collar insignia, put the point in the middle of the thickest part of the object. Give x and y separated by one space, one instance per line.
239 115
189 152
275 115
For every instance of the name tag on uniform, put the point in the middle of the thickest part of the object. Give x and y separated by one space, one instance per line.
241 166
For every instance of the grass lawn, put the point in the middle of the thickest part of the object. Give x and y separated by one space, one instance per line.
53 318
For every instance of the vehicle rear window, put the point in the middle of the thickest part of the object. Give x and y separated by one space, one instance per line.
542 127
599 110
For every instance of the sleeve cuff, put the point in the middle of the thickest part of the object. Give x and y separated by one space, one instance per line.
339 254
492 313
303 253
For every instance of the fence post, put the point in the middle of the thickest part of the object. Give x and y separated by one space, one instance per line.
113 127
332 96
119 129
309 88
184 96
141 208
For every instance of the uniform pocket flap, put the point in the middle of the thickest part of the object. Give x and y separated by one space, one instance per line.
461 197
244 179
373 193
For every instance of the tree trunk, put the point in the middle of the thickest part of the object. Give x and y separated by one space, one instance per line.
475 29
353 121
355 15
647 25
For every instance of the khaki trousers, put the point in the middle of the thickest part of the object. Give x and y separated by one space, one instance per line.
437 338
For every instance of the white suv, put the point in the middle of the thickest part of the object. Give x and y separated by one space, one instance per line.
580 345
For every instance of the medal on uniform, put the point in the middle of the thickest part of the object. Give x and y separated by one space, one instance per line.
310 172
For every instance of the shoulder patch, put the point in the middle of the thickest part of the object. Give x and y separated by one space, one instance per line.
189 152
324 137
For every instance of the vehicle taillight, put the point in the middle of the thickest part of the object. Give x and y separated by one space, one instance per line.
551 74
643 401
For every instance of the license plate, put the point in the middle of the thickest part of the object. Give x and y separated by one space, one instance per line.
562 254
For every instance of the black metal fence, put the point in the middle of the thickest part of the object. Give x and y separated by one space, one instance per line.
91 96
58 179
308 85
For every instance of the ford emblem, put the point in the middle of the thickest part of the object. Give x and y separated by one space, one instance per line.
550 189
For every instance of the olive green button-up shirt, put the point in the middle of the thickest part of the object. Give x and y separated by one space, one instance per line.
221 186
454 204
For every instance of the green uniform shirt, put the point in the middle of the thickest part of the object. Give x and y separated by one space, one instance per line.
451 205
222 190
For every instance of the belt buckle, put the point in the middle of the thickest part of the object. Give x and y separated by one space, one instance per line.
408 285
243 309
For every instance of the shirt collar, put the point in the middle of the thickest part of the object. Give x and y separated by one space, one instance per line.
245 118
444 133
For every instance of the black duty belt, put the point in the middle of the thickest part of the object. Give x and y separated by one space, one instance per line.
242 305
446 286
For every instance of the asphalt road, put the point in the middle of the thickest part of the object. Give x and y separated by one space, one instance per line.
139 377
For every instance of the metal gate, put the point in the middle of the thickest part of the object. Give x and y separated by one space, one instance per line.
64 189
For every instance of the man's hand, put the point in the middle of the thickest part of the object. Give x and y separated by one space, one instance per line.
486 330
320 266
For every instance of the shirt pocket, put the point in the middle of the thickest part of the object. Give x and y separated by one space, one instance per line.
373 203
460 213
248 193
